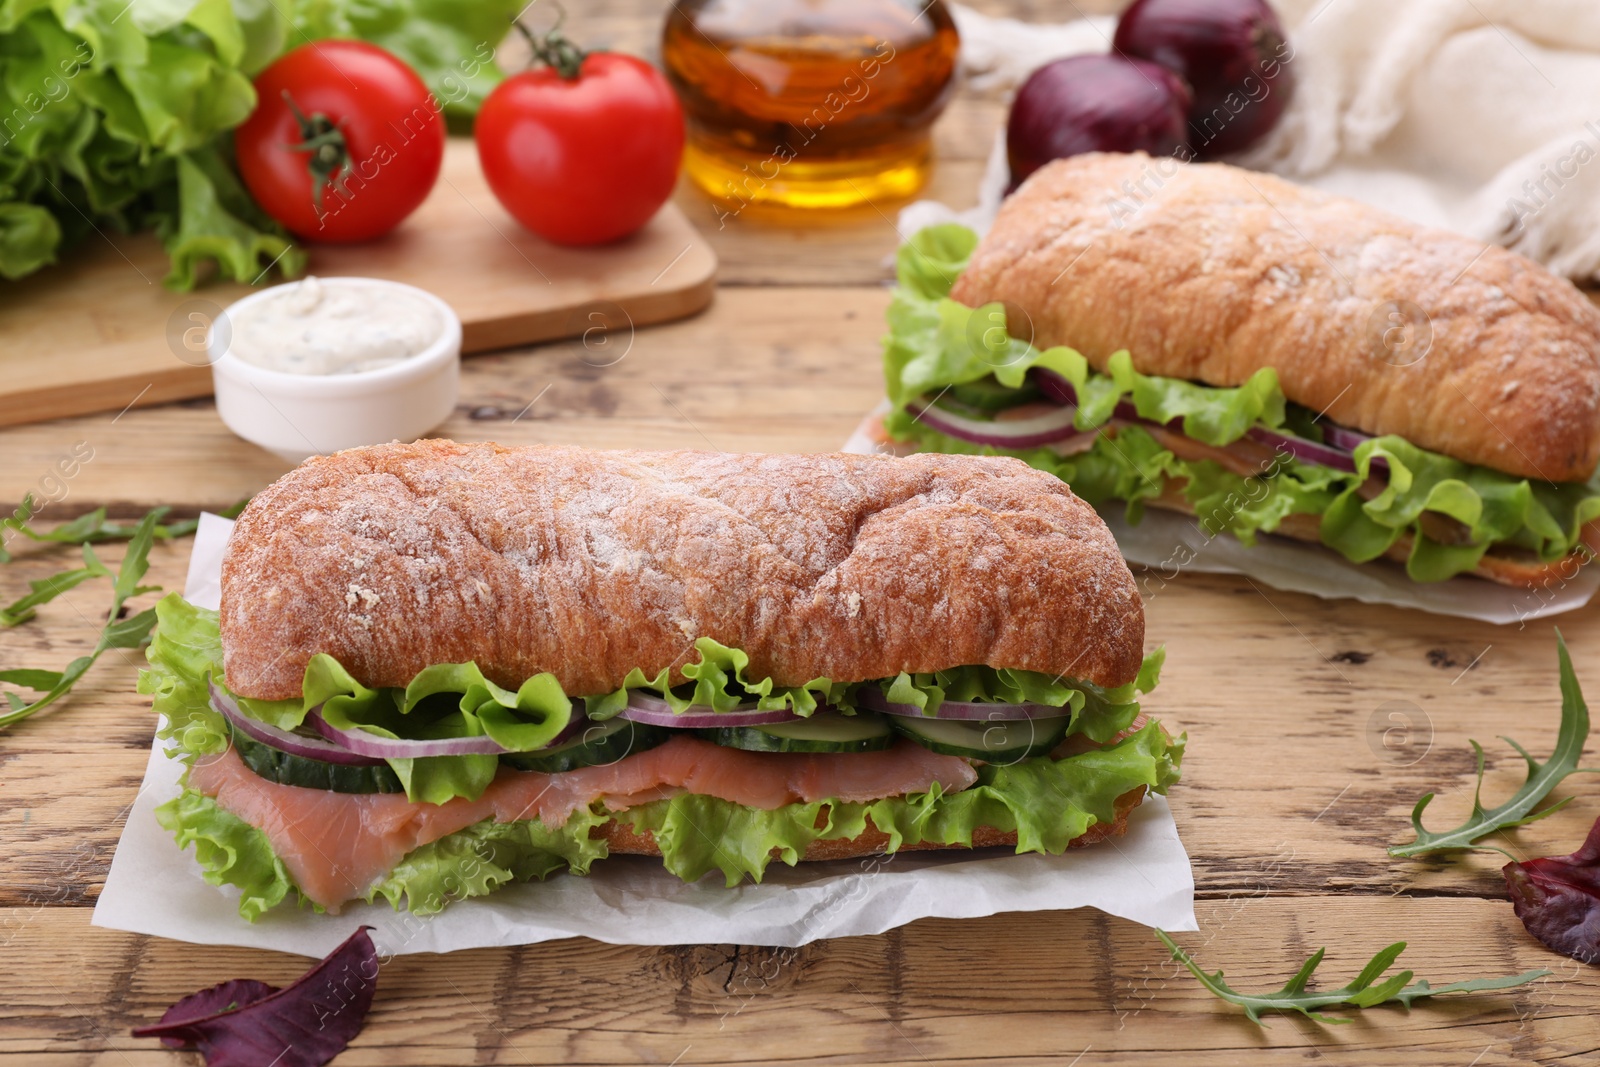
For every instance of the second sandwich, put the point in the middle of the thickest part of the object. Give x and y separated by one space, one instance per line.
1267 358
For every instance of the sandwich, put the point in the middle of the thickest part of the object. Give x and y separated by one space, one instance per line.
1267 358
439 668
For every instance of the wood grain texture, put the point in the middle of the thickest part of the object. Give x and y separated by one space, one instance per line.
1313 726
140 344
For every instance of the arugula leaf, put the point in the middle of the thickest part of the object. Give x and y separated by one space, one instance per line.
1365 991
92 527
118 632
1542 778
45 590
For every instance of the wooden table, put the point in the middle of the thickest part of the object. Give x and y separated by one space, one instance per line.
1288 799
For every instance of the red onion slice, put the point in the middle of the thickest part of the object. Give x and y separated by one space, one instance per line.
654 711
1303 449
292 743
1344 437
365 744
1023 433
1333 452
1055 386
870 696
1061 391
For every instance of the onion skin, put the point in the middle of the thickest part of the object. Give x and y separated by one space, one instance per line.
1096 104
384 748
1233 55
1000 434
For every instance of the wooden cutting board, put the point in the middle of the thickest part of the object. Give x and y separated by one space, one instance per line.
98 332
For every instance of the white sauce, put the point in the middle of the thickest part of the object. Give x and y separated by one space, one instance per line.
312 328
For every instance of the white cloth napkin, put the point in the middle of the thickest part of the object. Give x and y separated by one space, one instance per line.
1480 116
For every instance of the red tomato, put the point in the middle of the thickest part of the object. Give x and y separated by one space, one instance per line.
384 133
583 160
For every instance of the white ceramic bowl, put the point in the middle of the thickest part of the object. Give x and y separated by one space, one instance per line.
301 415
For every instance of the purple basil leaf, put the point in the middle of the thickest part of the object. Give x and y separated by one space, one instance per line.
1558 899
224 996
305 1024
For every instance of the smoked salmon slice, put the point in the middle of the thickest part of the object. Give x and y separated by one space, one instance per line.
336 846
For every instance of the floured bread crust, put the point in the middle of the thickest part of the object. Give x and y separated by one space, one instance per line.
1210 272
587 564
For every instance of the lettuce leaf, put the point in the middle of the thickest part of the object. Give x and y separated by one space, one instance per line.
483 857
119 123
935 343
467 863
185 649
229 850
448 700
457 700
719 683
1544 518
1097 712
1047 803
449 43
1132 467
119 115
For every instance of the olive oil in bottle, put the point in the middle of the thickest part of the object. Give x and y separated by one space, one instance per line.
809 103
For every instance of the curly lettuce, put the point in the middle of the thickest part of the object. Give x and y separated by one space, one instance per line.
449 43
448 700
229 850
1046 803
117 115
1096 712
936 344
457 700
468 863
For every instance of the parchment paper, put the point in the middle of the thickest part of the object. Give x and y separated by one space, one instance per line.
1170 543
153 888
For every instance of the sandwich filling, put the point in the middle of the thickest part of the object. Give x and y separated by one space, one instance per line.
1244 460
275 821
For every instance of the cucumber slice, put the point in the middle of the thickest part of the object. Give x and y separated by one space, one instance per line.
599 743
826 731
988 395
1008 741
276 765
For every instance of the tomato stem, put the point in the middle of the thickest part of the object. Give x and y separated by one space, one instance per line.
330 154
554 48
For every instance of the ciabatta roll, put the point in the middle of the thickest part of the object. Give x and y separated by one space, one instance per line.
1210 273
1271 358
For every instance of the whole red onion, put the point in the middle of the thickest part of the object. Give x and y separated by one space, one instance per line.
1233 55
1095 104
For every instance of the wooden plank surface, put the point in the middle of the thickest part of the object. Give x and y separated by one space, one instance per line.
1289 796
137 343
